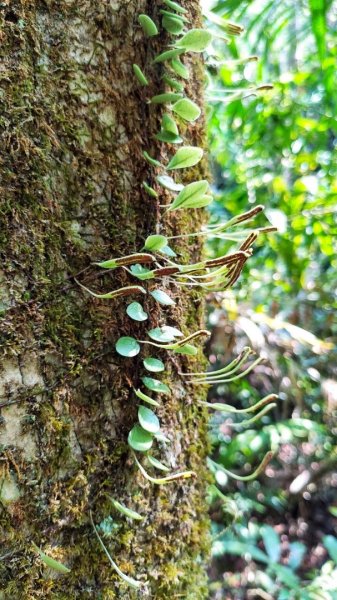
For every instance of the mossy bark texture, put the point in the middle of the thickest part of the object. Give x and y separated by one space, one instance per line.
74 122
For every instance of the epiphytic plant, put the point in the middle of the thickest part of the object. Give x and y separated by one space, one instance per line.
157 260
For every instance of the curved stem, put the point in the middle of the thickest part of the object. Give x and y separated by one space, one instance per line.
268 457
163 480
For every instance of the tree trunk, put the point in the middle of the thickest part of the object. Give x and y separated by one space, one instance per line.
75 123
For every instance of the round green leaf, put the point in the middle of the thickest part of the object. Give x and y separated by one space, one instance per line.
162 297
156 386
187 156
155 242
148 419
148 26
186 109
127 346
195 40
139 439
153 364
136 312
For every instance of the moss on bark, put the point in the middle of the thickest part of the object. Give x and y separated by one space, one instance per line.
74 125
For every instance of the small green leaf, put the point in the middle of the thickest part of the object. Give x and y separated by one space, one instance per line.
187 156
172 24
165 98
156 386
148 26
51 562
162 297
169 184
153 364
168 138
173 83
129 580
187 349
141 272
140 75
164 334
155 242
168 55
190 195
152 161
146 398
157 464
175 6
195 40
150 190
148 419
136 312
131 514
168 251
179 68
168 13
139 439
127 346
169 124
186 109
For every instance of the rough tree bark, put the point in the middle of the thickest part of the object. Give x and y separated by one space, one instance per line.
74 124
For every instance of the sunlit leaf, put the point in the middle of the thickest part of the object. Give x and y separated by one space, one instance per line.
186 109
195 40
187 156
190 195
155 242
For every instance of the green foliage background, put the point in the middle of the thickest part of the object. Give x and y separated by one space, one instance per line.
278 148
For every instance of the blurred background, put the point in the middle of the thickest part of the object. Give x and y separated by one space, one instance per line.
276 537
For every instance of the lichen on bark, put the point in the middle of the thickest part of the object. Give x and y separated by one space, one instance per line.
74 124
